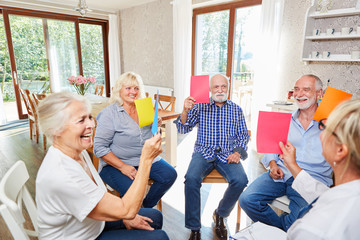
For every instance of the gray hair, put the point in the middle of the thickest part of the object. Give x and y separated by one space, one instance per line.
345 120
318 82
128 78
52 112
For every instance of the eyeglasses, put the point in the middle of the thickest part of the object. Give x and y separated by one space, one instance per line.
322 126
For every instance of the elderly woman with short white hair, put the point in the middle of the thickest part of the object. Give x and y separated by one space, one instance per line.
72 200
119 139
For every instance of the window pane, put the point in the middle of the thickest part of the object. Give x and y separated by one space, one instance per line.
8 109
245 44
212 43
63 58
30 54
92 52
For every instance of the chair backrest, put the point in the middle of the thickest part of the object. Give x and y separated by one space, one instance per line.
90 150
38 97
13 194
99 89
29 104
166 103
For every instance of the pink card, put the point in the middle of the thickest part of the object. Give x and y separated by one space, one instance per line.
199 88
273 127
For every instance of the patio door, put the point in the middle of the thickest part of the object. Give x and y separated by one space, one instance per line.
39 51
224 41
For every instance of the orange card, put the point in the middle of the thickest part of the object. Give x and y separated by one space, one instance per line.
331 99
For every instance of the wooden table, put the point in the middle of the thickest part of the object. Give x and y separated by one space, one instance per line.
282 107
170 136
99 103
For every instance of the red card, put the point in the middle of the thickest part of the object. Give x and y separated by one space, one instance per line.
273 127
199 88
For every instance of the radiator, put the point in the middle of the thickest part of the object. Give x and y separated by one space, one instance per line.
162 90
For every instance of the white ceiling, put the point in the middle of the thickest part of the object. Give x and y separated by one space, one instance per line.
95 5
105 4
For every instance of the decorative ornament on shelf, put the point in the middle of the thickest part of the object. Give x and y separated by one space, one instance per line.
81 84
325 5
82 8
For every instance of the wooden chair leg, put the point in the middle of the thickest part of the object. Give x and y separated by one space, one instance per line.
159 205
238 217
44 142
31 128
37 133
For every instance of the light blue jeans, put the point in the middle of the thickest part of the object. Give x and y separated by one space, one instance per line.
163 174
117 230
255 199
197 170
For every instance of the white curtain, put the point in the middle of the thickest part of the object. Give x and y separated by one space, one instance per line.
114 49
182 24
266 82
2 111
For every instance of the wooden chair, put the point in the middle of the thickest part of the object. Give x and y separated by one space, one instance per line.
37 98
99 89
215 177
30 107
166 103
15 197
95 161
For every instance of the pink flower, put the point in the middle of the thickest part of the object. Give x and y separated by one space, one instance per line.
71 80
81 83
92 79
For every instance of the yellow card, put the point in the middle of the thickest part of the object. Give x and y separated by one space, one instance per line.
145 110
331 99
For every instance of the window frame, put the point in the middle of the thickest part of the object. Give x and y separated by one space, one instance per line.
6 11
231 31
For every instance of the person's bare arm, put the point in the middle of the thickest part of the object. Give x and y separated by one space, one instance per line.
110 207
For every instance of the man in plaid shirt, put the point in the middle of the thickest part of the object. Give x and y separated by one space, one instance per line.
221 142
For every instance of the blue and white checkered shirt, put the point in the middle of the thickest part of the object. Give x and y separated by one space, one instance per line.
222 128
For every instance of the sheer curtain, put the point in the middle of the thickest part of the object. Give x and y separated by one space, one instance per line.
114 49
266 80
182 25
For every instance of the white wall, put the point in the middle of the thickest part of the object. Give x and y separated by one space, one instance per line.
344 76
146 36
147 42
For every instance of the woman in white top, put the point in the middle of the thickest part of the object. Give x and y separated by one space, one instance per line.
71 198
335 214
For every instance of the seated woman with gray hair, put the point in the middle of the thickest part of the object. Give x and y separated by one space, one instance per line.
119 139
72 200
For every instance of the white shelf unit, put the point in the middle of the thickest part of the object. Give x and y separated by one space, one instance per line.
309 39
336 13
333 37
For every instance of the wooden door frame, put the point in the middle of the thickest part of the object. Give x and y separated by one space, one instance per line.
57 16
232 8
